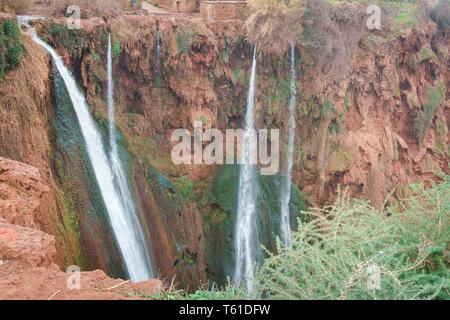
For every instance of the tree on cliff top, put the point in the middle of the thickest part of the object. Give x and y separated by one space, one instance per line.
275 24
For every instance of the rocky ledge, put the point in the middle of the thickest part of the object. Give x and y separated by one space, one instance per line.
28 269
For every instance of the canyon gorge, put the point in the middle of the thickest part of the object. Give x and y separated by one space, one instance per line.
86 176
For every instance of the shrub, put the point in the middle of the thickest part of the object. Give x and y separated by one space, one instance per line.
2 56
336 249
184 41
13 54
327 107
186 187
230 292
403 16
11 30
116 47
11 48
72 39
333 253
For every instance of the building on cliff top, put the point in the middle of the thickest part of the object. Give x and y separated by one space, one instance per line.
210 9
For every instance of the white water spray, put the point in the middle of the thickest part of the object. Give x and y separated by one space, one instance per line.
123 219
246 239
158 70
120 178
285 194
158 51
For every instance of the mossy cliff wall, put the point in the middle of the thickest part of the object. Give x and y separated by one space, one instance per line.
86 219
26 135
219 207
383 126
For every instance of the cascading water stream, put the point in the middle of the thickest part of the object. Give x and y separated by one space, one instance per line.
120 178
285 194
246 239
158 52
110 178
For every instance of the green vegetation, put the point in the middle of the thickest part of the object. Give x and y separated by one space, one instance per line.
407 14
441 14
70 222
157 81
311 36
441 136
334 252
240 76
186 187
218 206
435 99
279 92
240 42
95 56
116 47
11 48
69 230
229 292
427 54
185 38
72 39
226 55
326 107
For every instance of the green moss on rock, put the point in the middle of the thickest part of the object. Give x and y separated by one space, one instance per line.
441 136
184 38
73 40
84 225
219 210
424 119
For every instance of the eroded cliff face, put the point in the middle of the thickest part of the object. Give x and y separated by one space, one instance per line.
25 108
28 255
38 127
22 191
380 128
386 125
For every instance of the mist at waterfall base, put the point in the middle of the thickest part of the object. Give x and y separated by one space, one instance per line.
247 242
285 192
120 178
246 238
158 69
110 177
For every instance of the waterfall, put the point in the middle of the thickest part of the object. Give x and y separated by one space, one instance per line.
110 178
285 194
120 177
158 71
110 99
246 239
